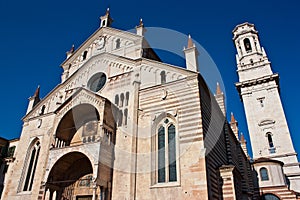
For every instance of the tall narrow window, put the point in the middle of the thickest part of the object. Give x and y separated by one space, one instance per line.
126 98
161 155
172 153
125 116
31 167
118 43
270 140
247 45
117 100
84 55
120 118
264 174
162 77
166 153
121 100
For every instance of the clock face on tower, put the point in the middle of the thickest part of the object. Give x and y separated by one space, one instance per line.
101 43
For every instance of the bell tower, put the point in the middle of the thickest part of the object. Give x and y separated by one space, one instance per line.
258 87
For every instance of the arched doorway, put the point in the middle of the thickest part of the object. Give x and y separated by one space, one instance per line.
67 174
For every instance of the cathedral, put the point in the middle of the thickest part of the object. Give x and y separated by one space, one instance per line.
123 125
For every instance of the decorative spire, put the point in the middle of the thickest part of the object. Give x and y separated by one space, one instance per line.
37 92
190 42
141 22
140 30
107 11
218 90
71 51
242 139
232 118
106 20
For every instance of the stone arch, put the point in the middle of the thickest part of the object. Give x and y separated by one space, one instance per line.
64 173
73 120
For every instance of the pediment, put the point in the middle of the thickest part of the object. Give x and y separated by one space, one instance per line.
81 96
103 40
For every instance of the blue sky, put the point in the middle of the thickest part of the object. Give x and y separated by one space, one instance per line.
35 35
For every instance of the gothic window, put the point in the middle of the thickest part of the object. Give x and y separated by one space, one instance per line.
84 55
125 116
162 77
121 100
166 153
118 43
264 174
247 45
31 166
117 100
126 98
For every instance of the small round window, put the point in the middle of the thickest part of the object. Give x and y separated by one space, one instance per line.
97 82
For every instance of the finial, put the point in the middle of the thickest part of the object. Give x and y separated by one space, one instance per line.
107 11
190 42
218 90
37 92
141 22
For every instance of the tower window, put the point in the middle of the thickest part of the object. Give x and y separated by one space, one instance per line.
118 43
162 77
264 174
166 148
247 45
103 23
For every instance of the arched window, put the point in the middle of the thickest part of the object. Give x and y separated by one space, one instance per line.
117 100
118 43
166 148
162 77
126 98
125 116
264 174
247 45
42 111
84 55
270 140
31 166
120 118
121 100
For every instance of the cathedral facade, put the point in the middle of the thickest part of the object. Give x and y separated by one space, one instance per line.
124 125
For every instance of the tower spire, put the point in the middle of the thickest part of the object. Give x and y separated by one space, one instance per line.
191 55
234 126
220 99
